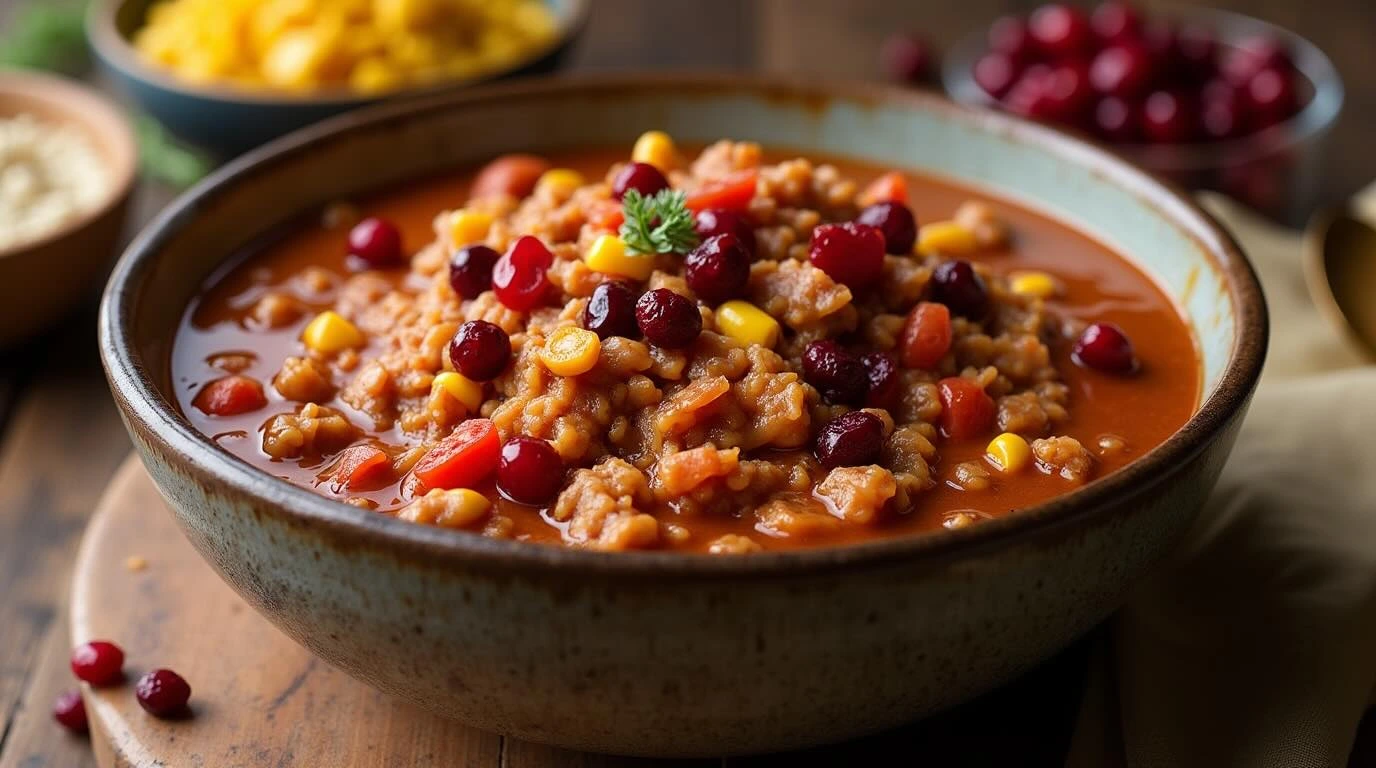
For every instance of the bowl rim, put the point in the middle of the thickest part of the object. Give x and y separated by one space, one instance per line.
149 413
111 46
93 114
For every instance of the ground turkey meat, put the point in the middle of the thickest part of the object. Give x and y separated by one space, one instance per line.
1064 456
311 431
601 506
857 494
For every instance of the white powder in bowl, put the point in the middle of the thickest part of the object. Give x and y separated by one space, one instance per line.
49 175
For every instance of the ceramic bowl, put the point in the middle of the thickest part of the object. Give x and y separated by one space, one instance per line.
656 653
42 279
227 121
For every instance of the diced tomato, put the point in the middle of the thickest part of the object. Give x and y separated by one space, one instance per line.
967 410
892 187
462 460
513 175
230 396
733 193
926 336
606 215
362 467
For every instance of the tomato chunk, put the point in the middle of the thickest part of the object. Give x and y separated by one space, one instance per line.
733 193
513 175
462 460
362 467
892 187
926 335
606 215
967 410
230 396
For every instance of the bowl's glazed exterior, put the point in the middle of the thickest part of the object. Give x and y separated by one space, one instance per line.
656 653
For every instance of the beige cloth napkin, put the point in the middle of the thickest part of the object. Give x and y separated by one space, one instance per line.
1256 644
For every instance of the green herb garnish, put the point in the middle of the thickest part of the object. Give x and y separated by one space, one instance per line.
48 35
166 160
661 223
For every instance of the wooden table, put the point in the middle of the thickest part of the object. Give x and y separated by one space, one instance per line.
60 438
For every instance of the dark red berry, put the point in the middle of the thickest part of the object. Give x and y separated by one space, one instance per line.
850 440
1115 22
1196 50
610 310
996 72
1160 38
642 177
1118 120
470 270
667 319
720 221
480 350
1121 70
1060 31
70 711
1027 97
518 277
1008 35
1221 114
835 372
882 371
376 241
163 693
1270 95
98 662
907 58
529 471
850 253
718 269
1242 63
1168 117
1104 347
1067 95
895 222
961 289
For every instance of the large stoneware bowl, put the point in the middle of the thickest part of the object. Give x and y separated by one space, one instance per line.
656 653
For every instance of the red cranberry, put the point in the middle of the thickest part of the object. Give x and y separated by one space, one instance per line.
642 177
518 277
1196 50
849 253
1242 63
529 471
1159 38
995 73
1068 95
882 371
1121 70
1104 347
1008 35
835 372
1270 95
163 693
1115 22
850 440
480 350
1118 120
961 289
70 711
907 58
376 241
718 269
895 222
470 270
610 310
667 319
1027 97
1168 118
1221 114
98 662
721 221
1060 31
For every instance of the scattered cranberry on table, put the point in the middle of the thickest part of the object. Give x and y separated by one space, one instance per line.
610 310
376 242
98 662
642 177
850 253
895 221
480 350
518 277
70 711
667 319
1104 347
718 268
850 440
163 693
470 270
529 471
835 372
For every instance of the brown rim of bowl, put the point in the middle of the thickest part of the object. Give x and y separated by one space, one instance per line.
351 526
94 115
114 46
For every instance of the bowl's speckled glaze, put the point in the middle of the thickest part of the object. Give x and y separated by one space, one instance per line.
666 654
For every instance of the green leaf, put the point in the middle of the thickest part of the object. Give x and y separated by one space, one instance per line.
46 35
661 223
164 159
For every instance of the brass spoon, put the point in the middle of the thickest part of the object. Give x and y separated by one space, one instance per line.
1340 268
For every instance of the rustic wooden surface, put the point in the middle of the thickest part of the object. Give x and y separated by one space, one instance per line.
61 441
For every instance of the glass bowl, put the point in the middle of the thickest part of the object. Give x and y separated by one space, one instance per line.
1275 170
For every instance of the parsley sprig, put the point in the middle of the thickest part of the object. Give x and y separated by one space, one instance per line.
660 223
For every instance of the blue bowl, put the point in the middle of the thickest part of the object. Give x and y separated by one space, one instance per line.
227 121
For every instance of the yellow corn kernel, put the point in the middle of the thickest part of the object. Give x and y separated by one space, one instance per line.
657 149
329 333
945 237
467 226
463 507
747 323
609 256
571 351
1033 284
467 392
1009 452
559 183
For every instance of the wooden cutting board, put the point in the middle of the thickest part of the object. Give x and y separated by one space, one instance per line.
260 700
